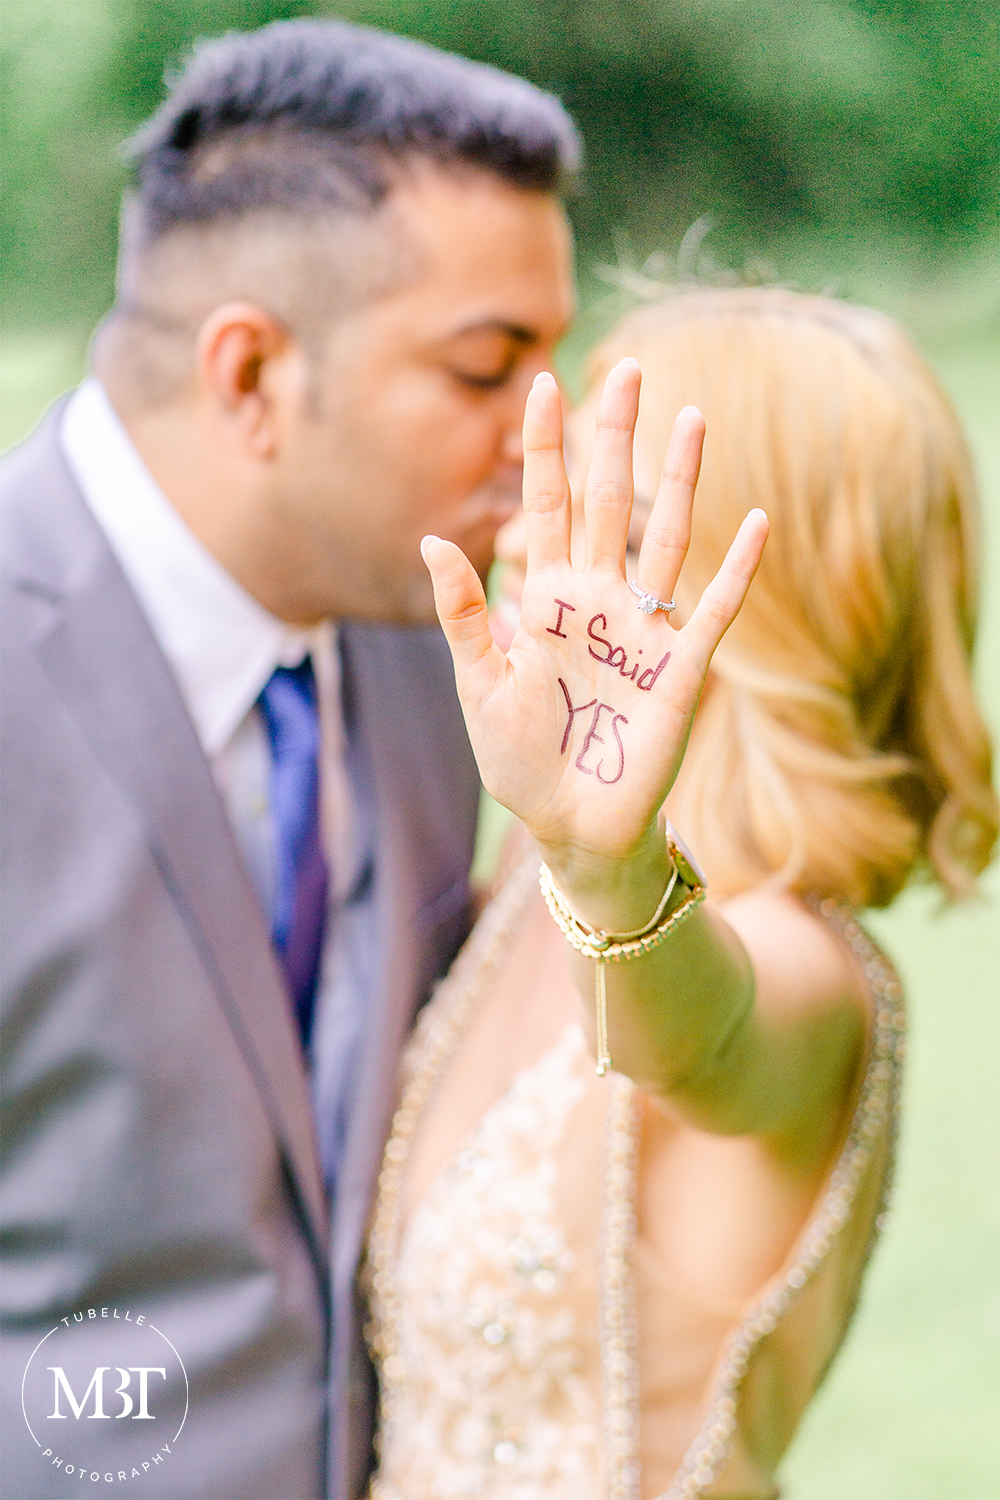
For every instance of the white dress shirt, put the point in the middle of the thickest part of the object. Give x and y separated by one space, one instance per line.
223 646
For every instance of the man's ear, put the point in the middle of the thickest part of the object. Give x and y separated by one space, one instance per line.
249 367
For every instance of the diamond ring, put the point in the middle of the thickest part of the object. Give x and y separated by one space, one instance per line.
649 603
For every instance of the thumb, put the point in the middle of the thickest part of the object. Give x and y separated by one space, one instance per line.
461 607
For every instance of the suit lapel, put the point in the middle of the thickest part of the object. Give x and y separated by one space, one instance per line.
99 652
422 784
404 713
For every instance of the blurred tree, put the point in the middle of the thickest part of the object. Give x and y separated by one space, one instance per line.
819 117
75 80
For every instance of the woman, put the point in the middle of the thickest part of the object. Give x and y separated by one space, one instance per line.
629 1280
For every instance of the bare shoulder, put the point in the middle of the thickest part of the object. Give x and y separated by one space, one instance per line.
797 1067
800 963
726 1191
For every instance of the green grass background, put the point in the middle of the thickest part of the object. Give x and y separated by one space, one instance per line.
911 1410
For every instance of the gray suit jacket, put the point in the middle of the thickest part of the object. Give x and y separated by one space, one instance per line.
159 1146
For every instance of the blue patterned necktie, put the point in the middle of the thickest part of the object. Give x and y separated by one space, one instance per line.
289 707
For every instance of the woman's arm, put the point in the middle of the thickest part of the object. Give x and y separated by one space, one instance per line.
748 1020
580 730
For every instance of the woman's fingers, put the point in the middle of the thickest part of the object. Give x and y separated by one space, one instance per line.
607 501
545 488
668 530
461 608
720 603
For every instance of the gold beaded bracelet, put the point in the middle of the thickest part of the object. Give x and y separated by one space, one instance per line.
607 947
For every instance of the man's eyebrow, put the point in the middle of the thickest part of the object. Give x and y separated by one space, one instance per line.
515 331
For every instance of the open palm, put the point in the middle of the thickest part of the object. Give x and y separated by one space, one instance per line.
581 727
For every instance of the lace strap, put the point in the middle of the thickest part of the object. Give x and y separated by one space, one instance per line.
618 1313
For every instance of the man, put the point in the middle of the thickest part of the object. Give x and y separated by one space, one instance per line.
239 804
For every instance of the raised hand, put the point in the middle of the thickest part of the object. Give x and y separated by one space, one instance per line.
581 727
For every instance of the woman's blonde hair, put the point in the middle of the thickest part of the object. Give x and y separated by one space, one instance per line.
838 746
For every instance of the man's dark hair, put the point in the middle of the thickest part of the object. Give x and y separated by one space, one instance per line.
303 116
268 173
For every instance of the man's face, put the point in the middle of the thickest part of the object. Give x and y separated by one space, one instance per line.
414 425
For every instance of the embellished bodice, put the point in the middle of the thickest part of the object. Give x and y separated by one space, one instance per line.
505 1321
491 1329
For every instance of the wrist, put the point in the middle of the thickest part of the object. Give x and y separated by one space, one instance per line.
621 893
607 945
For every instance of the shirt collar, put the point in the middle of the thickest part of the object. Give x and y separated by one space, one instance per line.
221 643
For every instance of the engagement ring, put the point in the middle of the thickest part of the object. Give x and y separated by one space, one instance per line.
649 603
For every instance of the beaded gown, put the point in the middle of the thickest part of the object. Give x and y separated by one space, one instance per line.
530 1342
